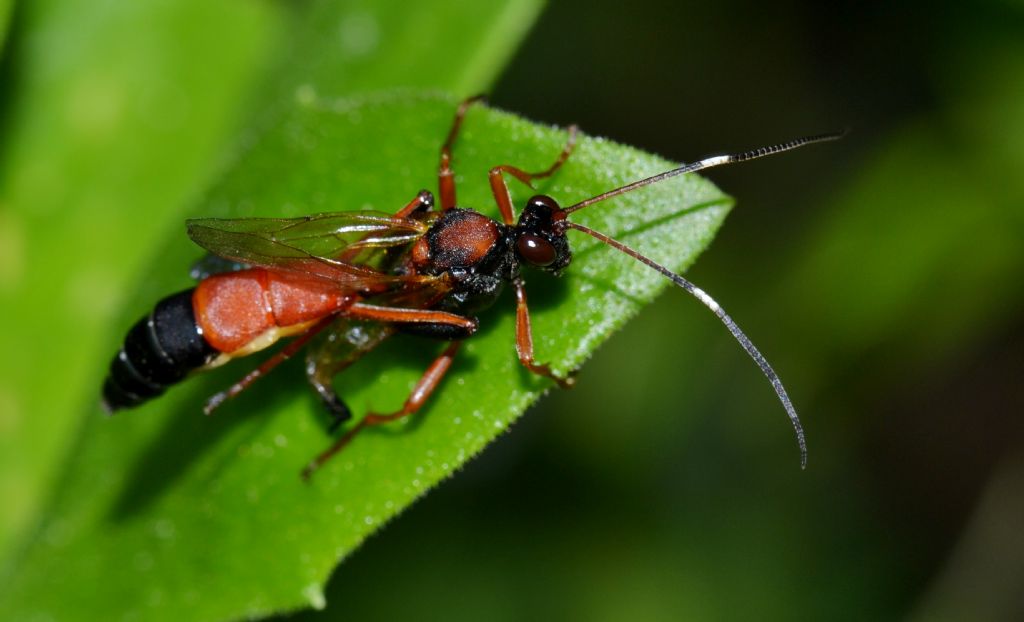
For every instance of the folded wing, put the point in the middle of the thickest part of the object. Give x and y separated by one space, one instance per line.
346 248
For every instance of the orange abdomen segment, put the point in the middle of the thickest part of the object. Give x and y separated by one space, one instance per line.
235 308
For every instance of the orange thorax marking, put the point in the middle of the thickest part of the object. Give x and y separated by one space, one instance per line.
464 240
235 308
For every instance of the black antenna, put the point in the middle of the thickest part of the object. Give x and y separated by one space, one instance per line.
710 303
709 163
692 289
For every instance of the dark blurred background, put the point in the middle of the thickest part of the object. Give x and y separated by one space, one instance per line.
883 277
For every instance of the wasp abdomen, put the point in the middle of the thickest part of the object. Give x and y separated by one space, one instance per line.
159 351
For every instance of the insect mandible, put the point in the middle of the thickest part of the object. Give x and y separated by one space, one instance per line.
357 278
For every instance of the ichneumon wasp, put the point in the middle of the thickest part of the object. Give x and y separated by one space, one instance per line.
356 278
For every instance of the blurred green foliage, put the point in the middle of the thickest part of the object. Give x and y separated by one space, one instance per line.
5 15
113 116
882 276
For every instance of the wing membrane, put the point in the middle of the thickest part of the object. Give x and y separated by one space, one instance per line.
343 247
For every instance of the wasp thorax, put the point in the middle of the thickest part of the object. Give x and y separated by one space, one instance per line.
461 238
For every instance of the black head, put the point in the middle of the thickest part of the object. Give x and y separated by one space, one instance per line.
539 241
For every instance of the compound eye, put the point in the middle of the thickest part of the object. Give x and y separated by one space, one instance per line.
536 250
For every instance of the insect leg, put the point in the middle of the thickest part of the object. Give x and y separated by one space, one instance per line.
321 378
423 201
420 393
499 187
445 174
399 315
266 367
524 342
335 349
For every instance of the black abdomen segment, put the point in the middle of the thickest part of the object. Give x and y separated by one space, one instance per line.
160 350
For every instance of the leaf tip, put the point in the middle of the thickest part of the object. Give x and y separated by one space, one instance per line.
314 595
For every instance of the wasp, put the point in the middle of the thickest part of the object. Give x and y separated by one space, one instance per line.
356 278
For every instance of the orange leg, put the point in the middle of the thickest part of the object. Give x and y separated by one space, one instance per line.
423 201
426 385
499 187
445 174
267 366
410 316
524 342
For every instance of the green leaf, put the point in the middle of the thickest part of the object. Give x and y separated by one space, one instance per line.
456 45
115 114
165 514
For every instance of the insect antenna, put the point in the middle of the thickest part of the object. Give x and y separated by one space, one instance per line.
713 161
710 303
692 289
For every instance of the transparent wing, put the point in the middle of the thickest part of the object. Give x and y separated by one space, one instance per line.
209 265
347 248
